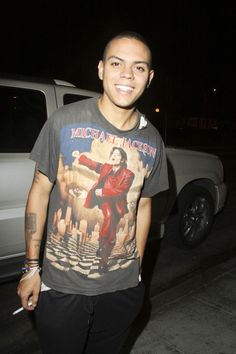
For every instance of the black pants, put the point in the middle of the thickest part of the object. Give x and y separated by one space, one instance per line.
76 324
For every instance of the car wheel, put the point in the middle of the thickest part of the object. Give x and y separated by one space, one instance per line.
195 215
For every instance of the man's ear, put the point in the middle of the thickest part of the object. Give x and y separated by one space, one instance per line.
100 70
151 75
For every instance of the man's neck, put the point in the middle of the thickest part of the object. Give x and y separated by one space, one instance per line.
122 119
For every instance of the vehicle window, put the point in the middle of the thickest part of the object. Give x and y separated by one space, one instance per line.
70 98
22 113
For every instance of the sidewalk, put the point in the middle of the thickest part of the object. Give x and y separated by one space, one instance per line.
196 317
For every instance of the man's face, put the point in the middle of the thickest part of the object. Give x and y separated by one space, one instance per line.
116 158
125 71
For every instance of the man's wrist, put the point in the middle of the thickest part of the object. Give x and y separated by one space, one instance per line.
31 266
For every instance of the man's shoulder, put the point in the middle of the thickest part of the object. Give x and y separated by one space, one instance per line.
152 129
82 105
146 127
74 110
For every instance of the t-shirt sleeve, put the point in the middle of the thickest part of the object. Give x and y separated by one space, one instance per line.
157 181
45 150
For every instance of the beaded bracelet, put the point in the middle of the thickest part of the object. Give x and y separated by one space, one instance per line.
32 259
28 269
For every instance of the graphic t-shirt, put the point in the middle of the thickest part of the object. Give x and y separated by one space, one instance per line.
99 174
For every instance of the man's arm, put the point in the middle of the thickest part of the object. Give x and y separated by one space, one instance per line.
35 217
143 225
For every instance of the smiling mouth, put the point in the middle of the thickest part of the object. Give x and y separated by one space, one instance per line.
124 88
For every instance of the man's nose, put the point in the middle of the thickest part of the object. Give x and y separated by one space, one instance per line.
127 72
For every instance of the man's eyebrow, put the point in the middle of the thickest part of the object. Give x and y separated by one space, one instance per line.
135 62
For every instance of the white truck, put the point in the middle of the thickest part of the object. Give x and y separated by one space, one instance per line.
197 190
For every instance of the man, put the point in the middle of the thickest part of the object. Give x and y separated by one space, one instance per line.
79 308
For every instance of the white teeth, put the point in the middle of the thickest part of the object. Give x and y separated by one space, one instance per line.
124 88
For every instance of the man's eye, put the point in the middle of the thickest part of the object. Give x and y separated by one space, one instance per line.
115 64
140 69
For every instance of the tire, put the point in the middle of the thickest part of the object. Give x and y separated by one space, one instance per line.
195 215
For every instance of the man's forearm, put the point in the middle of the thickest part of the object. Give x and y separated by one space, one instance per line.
36 213
35 218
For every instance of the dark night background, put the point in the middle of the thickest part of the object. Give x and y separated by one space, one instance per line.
193 46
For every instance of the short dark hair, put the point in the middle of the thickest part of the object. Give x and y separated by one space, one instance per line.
128 34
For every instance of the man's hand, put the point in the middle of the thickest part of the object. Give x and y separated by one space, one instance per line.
28 290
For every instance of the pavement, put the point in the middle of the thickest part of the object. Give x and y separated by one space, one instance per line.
197 316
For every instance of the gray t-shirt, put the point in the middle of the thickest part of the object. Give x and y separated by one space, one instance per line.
99 173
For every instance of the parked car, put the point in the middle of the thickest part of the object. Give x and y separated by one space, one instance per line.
197 193
196 179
